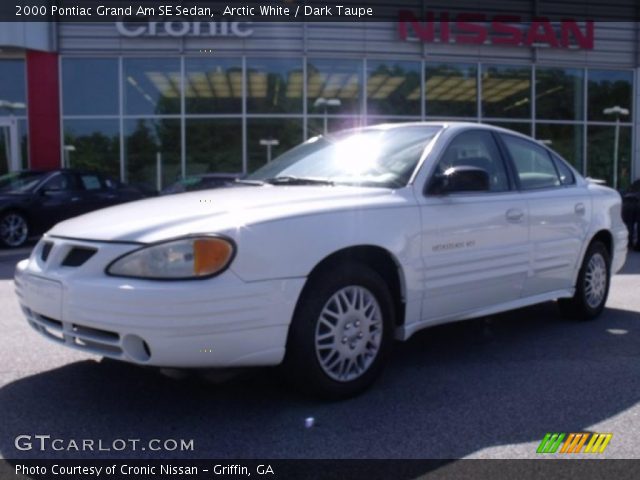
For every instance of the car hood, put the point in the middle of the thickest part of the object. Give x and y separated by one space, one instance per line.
218 210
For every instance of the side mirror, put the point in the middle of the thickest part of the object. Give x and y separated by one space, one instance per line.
460 179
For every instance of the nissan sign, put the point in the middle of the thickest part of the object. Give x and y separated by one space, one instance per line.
505 30
184 29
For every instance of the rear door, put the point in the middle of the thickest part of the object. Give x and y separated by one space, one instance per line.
474 244
559 215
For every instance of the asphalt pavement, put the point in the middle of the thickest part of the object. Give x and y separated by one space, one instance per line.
487 388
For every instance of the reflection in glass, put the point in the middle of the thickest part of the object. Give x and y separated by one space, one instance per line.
380 120
564 139
451 90
213 85
288 133
93 145
214 146
334 79
274 85
393 88
600 144
609 88
90 86
506 91
315 125
12 83
559 93
520 127
152 152
151 86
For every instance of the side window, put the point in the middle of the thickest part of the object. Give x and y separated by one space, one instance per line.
476 148
566 175
60 182
90 182
533 164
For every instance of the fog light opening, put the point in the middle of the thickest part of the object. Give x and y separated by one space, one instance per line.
136 348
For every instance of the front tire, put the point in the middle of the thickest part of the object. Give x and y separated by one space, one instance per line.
14 229
341 332
592 288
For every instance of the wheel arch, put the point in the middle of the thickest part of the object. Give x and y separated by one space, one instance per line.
603 235
375 257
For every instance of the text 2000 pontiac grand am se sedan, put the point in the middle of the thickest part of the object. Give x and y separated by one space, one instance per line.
321 258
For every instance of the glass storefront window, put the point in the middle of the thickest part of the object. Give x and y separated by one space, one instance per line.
564 139
152 152
559 94
93 145
609 88
520 127
316 125
451 90
214 145
90 86
287 131
23 135
336 80
13 83
380 120
506 91
393 88
213 85
151 86
274 85
600 154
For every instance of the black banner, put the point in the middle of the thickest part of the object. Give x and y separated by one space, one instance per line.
321 469
313 10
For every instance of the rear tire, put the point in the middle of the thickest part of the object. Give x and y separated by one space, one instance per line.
341 333
592 287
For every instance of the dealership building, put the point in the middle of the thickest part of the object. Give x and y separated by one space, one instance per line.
150 102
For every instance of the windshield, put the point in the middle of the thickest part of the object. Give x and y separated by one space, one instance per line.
20 182
374 157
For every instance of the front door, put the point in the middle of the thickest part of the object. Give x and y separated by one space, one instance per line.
475 244
10 160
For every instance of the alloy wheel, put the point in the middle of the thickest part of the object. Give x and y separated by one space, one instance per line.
348 333
595 280
13 229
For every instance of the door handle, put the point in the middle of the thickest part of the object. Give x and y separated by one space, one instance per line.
75 199
580 209
514 215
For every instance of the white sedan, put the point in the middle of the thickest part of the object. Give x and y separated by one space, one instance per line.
322 257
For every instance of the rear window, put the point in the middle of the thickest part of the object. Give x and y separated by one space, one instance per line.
533 164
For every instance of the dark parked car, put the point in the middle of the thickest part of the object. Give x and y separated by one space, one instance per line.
631 213
202 181
32 201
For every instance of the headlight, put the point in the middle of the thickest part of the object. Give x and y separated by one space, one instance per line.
180 259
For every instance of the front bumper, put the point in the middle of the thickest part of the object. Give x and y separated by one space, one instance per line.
218 322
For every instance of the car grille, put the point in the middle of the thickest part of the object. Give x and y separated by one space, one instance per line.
92 340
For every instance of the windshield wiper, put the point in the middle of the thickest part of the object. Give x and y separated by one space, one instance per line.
292 180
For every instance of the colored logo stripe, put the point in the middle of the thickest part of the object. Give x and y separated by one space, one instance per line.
598 442
550 443
574 443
